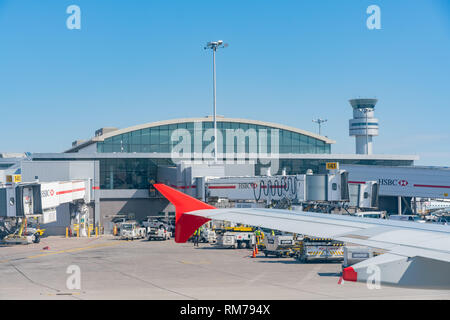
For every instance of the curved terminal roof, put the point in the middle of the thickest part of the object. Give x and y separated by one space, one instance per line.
204 119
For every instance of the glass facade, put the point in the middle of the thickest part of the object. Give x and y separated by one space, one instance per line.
299 166
159 139
138 173
120 173
360 124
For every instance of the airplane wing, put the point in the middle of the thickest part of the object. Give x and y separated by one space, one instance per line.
416 254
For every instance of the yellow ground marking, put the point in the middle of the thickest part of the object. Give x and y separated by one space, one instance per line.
64 294
195 262
73 250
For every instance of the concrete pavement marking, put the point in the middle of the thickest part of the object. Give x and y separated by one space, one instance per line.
196 262
310 274
74 250
65 294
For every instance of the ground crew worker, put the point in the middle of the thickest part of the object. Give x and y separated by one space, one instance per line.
258 235
196 237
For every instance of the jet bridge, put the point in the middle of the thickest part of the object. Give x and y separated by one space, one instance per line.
209 181
327 188
400 186
42 198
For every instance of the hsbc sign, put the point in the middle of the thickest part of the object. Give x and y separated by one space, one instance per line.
393 182
403 183
48 195
387 182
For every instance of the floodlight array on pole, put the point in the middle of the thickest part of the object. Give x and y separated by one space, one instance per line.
319 121
214 45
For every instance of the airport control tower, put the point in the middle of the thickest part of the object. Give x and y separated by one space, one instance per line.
363 125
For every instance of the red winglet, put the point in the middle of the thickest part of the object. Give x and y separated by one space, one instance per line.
185 224
349 274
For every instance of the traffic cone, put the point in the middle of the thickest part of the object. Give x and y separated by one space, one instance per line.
256 249
254 253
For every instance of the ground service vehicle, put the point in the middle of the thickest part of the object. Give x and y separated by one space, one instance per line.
131 230
320 249
24 234
355 254
156 223
370 214
158 234
235 237
30 235
445 220
208 236
404 217
280 245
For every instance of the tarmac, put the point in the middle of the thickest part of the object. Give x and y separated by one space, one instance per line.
116 269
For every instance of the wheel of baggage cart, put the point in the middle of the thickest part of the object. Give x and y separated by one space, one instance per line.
242 244
37 238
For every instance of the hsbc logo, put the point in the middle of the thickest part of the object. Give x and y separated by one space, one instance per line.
403 183
47 193
393 182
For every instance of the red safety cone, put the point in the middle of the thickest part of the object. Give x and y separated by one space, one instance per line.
254 253
256 249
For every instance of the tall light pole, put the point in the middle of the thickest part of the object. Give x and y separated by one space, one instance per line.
319 122
214 45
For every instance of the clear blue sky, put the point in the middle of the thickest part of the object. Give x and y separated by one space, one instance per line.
135 61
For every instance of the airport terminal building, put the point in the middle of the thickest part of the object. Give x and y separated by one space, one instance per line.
127 161
129 158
